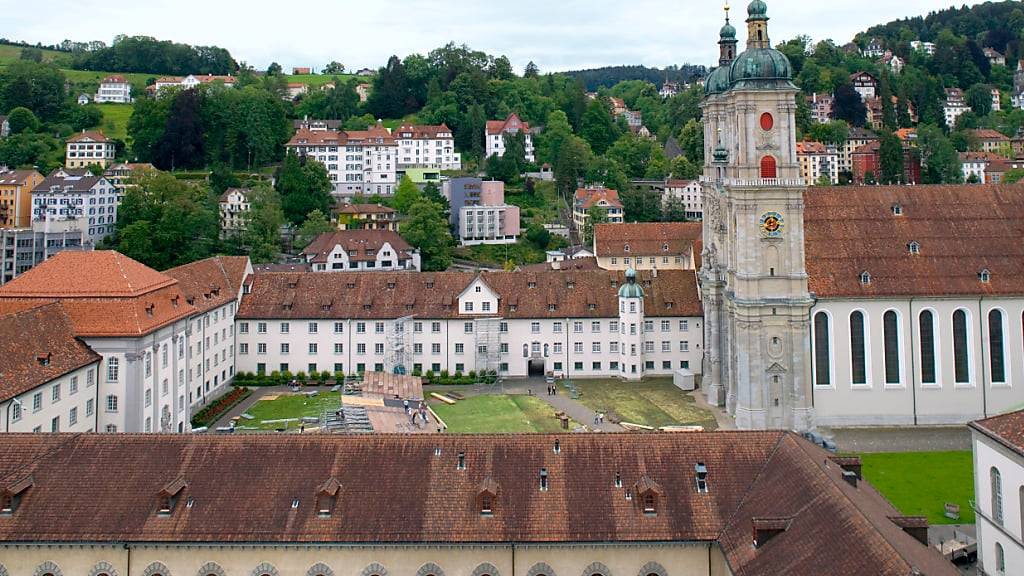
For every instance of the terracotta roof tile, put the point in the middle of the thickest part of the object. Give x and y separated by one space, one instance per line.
646 239
211 283
1007 429
92 135
365 244
961 230
587 197
28 337
365 209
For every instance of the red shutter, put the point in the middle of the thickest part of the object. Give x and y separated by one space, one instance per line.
768 167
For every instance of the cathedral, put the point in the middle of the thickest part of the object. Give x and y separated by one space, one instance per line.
754 284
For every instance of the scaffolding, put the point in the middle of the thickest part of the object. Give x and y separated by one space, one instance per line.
399 346
488 347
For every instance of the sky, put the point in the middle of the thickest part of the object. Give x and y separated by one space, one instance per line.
556 34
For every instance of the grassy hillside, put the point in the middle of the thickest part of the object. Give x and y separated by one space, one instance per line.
316 80
115 120
10 53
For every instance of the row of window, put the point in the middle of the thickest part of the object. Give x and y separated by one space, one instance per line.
892 349
460 348
578 327
56 390
417 367
996 511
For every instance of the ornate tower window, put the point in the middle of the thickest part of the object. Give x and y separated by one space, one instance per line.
769 168
767 121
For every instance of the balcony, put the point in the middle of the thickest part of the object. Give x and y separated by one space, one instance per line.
757 182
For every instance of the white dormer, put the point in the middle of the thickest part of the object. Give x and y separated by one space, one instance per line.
478 299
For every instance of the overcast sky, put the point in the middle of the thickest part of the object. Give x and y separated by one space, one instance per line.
556 34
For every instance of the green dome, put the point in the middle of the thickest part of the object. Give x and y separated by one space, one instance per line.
728 32
760 67
757 9
718 81
631 289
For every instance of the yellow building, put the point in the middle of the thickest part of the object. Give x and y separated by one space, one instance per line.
16 197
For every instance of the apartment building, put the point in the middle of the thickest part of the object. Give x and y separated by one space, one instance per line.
21 249
592 323
367 217
656 246
821 107
817 161
16 197
68 200
361 251
991 141
954 107
497 130
857 137
357 162
689 193
600 197
479 214
234 206
114 90
89 148
192 80
425 146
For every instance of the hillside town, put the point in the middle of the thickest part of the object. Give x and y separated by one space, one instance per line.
762 317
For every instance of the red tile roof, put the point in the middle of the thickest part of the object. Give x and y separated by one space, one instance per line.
418 132
588 197
646 239
89 135
811 148
365 209
1007 429
114 80
399 489
211 283
961 230
381 295
989 134
29 336
103 292
510 124
365 244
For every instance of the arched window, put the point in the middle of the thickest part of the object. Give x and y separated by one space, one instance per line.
822 351
961 360
858 349
997 357
997 495
769 168
1000 559
927 327
891 341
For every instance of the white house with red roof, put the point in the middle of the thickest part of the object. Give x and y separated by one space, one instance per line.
357 162
426 146
88 148
497 130
114 90
599 197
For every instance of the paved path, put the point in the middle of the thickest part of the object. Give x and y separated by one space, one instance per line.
724 421
935 439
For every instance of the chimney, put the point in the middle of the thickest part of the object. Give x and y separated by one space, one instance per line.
915 526
849 464
702 477
767 528
850 478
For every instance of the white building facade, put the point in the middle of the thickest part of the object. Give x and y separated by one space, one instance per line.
87 203
88 149
999 493
114 90
358 163
497 130
427 147
234 211
687 192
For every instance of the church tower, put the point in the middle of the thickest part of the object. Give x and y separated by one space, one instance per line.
753 277
631 328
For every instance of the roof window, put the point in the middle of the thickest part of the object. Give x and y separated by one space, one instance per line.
985 276
701 476
897 209
865 278
914 248
10 495
167 498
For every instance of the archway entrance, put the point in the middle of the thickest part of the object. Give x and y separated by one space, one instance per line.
536 367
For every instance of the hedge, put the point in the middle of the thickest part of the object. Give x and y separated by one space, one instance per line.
220 407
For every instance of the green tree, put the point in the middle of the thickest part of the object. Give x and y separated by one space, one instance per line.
304 186
885 95
538 236
406 195
979 98
427 230
595 215
334 68
556 132
146 126
598 127
38 87
1013 176
683 169
691 140
432 192
341 103
22 119
274 69
391 96
891 159
165 222
940 162
847 105
316 224
31 150
222 178
31 54
262 236
571 164
531 71
835 133
181 145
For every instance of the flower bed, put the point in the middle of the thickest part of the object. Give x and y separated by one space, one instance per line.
220 407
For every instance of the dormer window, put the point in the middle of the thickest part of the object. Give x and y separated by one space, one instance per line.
985 276
167 499
701 476
664 247
625 248
618 480
149 310
327 497
391 285
513 307
295 503
650 503
461 465
552 307
44 359
897 210
914 248
865 278
531 284
543 479
486 496
486 505
591 307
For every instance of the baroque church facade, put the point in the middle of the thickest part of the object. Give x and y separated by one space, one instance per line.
754 283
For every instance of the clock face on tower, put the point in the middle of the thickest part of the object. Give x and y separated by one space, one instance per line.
772 224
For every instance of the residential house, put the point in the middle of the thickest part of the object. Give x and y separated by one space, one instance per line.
1017 144
925 47
669 89
294 90
991 141
357 162
366 72
894 62
975 166
999 492
568 323
955 106
122 174
497 130
235 204
114 90
997 169
634 119
1018 86
21 249
361 251
48 377
867 164
89 148
367 217
817 161
994 58
687 192
479 213
64 202
655 246
84 99
363 89
301 71
874 49
997 100
821 107
857 138
596 197
5 127
865 84
192 81
425 146
316 125
16 197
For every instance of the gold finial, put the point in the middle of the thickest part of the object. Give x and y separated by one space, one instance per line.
726 7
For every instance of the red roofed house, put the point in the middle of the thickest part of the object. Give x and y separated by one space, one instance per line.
600 197
991 141
88 148
867 164
367 217
427 146
374 173
114 90
647 245
817 161
361 250
164 338
496 131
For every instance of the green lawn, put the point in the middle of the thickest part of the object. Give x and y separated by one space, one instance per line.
921 483
655 402
10 53
288 406
316 80
115 120
93 78
499 415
